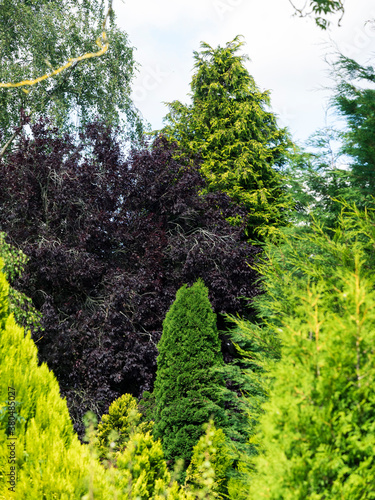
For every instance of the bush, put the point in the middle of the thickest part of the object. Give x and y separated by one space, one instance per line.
121 420
208 471
49 460
144 470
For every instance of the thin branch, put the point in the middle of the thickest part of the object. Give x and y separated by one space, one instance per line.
9 142
300 11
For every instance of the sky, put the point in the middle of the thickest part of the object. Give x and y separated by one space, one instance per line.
288 55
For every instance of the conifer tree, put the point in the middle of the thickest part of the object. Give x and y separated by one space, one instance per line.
318 428
144 470
187 387
122 419
355 102
341 165
229 126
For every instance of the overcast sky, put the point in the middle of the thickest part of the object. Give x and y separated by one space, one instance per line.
286 53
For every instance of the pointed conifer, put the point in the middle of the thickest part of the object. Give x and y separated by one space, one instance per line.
187 387
230 126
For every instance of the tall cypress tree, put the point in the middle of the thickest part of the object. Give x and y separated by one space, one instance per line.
229 126
187 387
318 430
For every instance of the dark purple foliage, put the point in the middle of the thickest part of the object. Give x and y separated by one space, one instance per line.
110 241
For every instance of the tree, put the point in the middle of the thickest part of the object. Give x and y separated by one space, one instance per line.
318 178
318 427
109 243
320 9
211 460
229 126
341 165
118 424
355 102
143 467
38 37
187 387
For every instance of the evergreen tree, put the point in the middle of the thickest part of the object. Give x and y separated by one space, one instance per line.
355 102
144 473
120 421
318 178
318 429
229 125
187 387
340 165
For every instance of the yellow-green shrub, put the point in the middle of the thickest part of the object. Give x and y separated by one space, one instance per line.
50 461
210 464
122 418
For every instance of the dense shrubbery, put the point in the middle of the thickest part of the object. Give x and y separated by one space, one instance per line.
211 460
49 461
109 243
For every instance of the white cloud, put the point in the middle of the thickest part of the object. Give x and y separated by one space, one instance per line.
286 52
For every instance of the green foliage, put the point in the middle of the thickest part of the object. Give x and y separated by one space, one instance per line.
39 36
187 387
210 464
341 166
122 420
320 178
229 126
355 101
318 428
144 472
20 305
122 417
50 462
